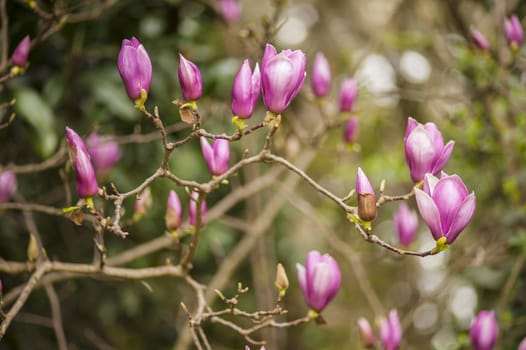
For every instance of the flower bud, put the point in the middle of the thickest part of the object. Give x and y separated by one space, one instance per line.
189 79
391 331
7 186
32 248
135 68
445 205
366 333
425 151
282 281
192 209
348 94
174 211
484 331
406 224
282 76
366 197
245 91
513 31
85 175
216 156
143 203
104 153
321 76
480 40
319 279
351 127
21 53
231 10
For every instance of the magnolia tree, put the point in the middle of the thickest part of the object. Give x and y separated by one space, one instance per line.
271 212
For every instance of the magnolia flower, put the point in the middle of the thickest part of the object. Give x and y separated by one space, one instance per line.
348 94
321 76
104 153
319 279
522 345
480 40
513 31
174 211
424 149
366 197
245 91
366 333
216 156
189 79
406 224
192 210
282 76
21 53
7 186
351 127
391 331
484 331
230 9
445 205
135 68
85 175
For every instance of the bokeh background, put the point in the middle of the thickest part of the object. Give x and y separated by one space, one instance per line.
411 58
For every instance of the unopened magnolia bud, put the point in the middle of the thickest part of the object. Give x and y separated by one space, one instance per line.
366 333
282 281
32 248
142 204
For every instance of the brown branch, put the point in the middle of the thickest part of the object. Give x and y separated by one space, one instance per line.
5 35
56 315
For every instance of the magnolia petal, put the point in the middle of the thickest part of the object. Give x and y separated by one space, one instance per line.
429 212
443 157
462 218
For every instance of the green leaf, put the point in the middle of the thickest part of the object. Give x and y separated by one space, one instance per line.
36 111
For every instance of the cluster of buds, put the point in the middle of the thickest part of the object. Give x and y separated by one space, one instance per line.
87 186
319 280
174 211
390 332
512 31
7 186
484 331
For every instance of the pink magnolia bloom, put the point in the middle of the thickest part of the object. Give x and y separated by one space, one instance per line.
522 345
174 211
216 156
7 186
366 333
513 31
231 10
391 331
21 53
190 79
319 279
445 205
351 127
192 210
84 174
484 331
245 90
321 76
135 68
104 153
406 224
480 40
425 151
348 94
282 76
